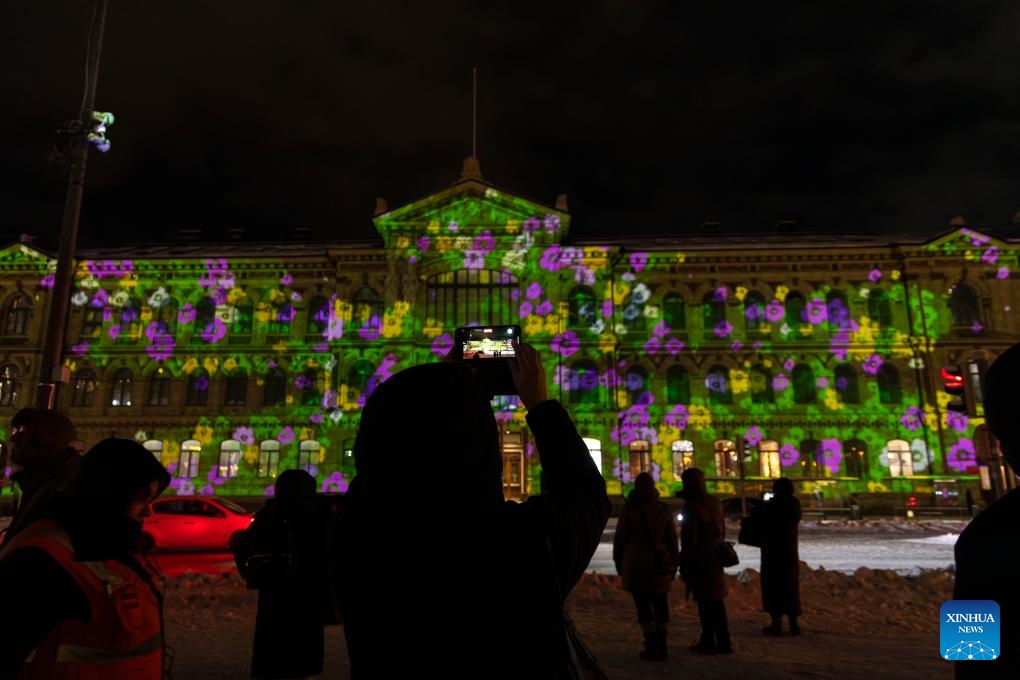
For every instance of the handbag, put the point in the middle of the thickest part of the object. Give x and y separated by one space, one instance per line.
727 554
751 531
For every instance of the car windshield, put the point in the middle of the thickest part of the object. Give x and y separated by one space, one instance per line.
232 506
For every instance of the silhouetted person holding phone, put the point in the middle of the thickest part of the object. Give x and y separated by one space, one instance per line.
435 569
987 565
779 519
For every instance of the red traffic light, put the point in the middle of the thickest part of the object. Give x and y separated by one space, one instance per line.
912 501
952 380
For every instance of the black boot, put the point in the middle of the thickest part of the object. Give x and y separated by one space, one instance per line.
649 646
655 646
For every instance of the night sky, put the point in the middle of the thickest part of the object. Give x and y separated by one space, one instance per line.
653 117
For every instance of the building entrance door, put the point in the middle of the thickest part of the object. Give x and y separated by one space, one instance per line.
514 479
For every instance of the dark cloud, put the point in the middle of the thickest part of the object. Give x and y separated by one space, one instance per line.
652 116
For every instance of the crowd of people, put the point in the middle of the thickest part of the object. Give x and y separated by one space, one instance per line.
89 599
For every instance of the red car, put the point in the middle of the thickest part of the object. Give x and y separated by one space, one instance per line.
194 523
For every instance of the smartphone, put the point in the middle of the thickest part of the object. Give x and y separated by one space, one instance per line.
488 349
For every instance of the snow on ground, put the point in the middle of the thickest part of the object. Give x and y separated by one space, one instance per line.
868 625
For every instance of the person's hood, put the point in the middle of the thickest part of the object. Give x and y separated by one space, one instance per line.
48 435
429 425
113 470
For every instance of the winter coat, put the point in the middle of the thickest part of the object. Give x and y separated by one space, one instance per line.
780 559
702 529
289 636
460 580
646 526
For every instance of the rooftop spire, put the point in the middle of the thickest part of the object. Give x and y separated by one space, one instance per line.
471 168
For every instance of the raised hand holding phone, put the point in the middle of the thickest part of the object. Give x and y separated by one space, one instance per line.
529 375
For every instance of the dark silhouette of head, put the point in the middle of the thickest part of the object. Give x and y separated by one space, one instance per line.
38 437
294 488
694 483
112 472
783 487
644 487
1002 394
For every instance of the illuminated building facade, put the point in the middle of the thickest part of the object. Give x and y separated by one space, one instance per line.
831 359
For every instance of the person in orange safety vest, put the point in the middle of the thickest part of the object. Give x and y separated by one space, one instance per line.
81 601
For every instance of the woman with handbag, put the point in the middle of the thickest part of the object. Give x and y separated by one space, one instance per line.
646 554
780 559
702 530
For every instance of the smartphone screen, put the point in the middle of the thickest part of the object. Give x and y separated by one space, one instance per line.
487 342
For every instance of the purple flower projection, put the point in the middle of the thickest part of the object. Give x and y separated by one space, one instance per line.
789 364
286 435
872 364
215 331
525 310
545 308
186 314
677 417
442 345
780 382
302 382
47 281
875 275
161 345
315 418
788 455
550 259
286 280
566 344
110 268
532 224
99 299
660 330
335 483
484 242
957 421
551 223
753 436
622 472
832 454
961 455
244 435
371 329
723 329
474 259
816 311
638 261
912 418
736 345
652 346
533 291
990 256
114 331
775 311
674 346
80 349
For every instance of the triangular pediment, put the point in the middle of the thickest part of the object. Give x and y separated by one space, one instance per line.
470 208
963 240
24 255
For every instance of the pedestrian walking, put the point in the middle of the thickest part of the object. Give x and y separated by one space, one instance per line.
702 531
284 555
80 601
646 554
780 558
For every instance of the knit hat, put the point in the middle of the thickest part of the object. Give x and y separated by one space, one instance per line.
113 470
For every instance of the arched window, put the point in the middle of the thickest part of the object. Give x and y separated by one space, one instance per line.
761 385
19 314
726 463
269 458
129 316
456 297
281 315
595 451
319 311
308 456
804 391
901 460
368 309
205 321
230 458
846 384
683 456
120 392
164 311
754 312
879 308
274 390
91 322
964 306
84 388
889 389
718 384
155 447
187 465
854 462
636 382
159 388
810 458
768 459
678 385
837 310
198 388
796 313
640 457
633 311
582 307
241 320
584 382
360 380
237 388
8 385
713 311
674 312
312 386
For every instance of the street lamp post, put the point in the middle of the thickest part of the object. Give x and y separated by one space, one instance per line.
53 372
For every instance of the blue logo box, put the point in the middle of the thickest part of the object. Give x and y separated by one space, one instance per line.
969 630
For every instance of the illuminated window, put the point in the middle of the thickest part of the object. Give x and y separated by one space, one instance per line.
845 380
319 312
901 460
975 375
889 389
241 320
367 310
674 312
713 311
811 458
280 318
761 385
582 307
84 388
187 466
837 310
197 392
19 314
718 384
92 322
308 456
640 457
964 306
360 380
879 308
584 382
466 295
768 459
120 393
274 390
683 456
8 385
230 458
311 385
678 385
269 458
129 316
595 451
754 312
159 388
804 391
237 389
726 463
155 447
636 384
854 461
